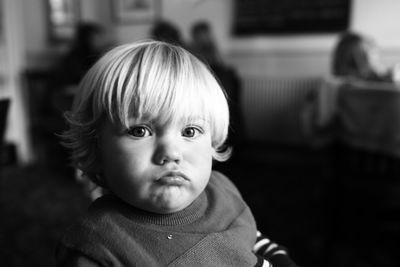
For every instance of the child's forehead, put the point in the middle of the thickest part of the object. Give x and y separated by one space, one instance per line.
172 118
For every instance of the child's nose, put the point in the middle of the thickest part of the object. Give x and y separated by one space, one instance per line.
168 150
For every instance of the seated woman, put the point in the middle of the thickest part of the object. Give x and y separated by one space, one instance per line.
355 61
357 57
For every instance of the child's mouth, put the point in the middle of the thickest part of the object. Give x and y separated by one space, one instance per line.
173 179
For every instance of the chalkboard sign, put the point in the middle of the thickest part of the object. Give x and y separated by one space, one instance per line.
290 16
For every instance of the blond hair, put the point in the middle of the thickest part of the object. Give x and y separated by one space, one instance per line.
146 77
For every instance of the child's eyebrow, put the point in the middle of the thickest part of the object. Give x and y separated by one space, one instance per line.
195 119
152 119
143 117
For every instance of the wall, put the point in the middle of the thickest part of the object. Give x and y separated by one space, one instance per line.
380 20
305 55
285 56
260 55
296 55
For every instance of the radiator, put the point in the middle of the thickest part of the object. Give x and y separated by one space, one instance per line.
272 107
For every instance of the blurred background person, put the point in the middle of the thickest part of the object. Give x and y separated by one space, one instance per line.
355 58
86 47
358 57
203 45
163 30
88 43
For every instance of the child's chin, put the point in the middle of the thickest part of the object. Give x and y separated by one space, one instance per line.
172 207
172 199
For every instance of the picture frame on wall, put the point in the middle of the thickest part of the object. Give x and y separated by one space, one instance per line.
135 11
277 17
62 18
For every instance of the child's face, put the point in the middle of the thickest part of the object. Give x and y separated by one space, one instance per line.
158 168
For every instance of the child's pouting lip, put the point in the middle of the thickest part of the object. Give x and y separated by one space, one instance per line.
173 178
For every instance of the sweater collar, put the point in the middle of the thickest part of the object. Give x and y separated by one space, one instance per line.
186 216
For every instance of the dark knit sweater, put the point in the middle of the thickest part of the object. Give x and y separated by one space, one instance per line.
217 229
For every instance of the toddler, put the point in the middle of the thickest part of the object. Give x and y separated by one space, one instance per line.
146 124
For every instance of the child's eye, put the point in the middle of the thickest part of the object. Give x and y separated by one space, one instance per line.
191 131
139 131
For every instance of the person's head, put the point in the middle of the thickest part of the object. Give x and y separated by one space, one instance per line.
167 32
203 44
201 32
147 122
356 56
89 37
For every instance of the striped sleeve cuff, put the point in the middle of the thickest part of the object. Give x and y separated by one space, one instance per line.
266 248
272 252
